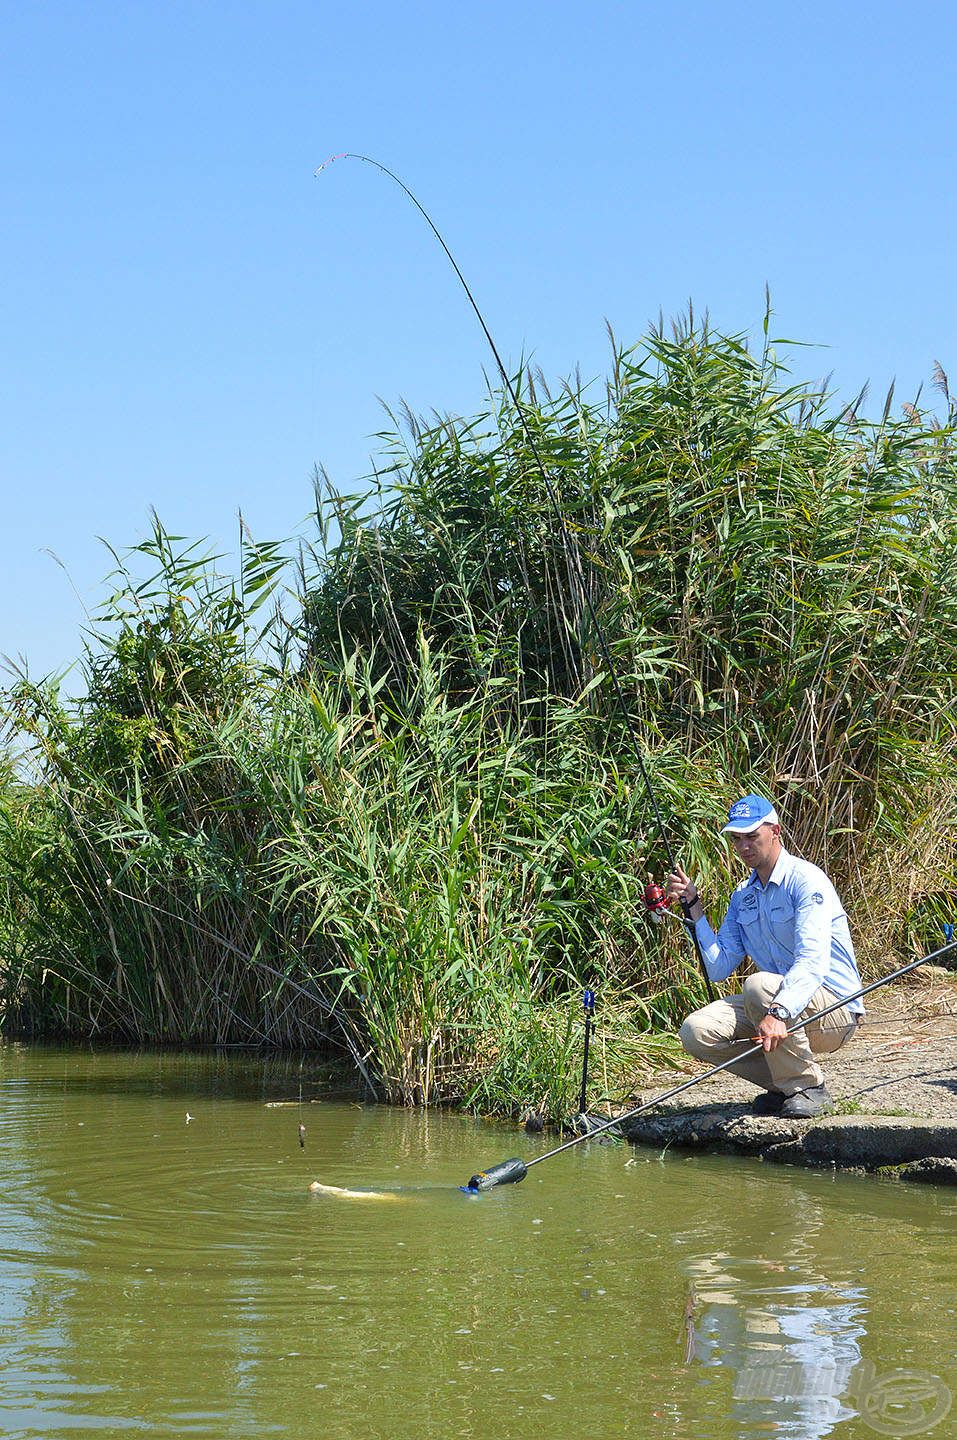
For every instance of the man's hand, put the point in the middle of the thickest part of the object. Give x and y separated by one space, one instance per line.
681 888
770 1033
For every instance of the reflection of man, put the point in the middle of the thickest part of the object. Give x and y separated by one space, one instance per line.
794 1350
788 919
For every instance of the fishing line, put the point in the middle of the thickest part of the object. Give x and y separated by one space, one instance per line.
510 1172
570 545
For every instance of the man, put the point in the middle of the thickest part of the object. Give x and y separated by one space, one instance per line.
787 917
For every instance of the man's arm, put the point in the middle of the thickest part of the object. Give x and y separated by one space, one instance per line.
723 952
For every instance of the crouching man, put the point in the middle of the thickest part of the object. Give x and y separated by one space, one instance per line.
787 917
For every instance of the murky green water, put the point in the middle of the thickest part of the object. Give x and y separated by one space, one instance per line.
171 1278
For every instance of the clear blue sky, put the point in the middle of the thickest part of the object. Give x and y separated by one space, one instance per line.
191 320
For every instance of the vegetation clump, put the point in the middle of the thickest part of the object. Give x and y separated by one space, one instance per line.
382 798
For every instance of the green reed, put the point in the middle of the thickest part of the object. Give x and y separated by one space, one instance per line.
393 809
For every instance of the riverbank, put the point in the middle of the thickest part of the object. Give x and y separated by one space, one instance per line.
895 1092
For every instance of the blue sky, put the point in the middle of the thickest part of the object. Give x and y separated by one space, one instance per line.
192 321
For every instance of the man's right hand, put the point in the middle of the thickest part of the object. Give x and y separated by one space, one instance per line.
682 889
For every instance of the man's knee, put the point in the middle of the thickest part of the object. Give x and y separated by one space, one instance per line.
758 991
691 1042
704 1029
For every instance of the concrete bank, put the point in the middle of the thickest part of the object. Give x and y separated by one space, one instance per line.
908 1147
895 1088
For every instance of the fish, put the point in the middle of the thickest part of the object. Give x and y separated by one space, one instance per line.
341 1193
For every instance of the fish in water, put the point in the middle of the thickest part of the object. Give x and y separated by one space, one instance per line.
319 1189
302 1137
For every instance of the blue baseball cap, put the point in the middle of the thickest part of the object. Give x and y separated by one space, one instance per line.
748 813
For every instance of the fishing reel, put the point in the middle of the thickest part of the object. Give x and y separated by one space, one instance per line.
656 901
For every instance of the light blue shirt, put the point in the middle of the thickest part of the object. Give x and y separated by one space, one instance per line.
793 926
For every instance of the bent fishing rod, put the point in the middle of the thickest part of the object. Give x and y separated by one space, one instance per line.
570 546
510 1172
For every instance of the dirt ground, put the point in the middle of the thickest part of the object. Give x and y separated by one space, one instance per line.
903 1060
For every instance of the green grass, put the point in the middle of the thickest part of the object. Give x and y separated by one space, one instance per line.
849 1107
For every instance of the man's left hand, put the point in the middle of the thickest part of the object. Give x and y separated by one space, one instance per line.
770 1033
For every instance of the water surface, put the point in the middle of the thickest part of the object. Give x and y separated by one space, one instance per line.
168 1276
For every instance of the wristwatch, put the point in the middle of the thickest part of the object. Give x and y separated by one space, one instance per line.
779 1012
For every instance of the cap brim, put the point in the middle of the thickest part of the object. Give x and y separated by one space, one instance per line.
747 827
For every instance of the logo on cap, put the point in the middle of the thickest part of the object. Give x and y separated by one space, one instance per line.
749 813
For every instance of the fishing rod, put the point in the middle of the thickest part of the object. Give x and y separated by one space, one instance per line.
571 550
510 1172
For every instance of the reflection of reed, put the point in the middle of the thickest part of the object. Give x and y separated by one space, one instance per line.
690 1334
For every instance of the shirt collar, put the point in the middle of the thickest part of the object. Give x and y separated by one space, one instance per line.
779 873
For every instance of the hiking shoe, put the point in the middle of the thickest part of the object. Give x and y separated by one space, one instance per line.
769 1102
806 1104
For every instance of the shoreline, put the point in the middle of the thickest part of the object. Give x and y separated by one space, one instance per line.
900 1147
894 1088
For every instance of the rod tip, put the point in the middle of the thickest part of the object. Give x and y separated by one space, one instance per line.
328 161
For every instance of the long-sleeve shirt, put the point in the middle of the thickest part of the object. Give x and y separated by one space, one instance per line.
793 926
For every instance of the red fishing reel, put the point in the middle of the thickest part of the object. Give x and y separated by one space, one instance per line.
656 901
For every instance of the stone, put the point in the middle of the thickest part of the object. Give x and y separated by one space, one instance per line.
924 1149
934 1170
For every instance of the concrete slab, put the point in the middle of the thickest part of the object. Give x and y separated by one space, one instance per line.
844 1142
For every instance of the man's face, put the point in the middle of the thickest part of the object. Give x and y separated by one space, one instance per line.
760 849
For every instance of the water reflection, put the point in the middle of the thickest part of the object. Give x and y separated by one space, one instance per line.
792 1329
793 1346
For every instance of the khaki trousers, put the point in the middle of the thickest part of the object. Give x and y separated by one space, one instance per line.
709 1034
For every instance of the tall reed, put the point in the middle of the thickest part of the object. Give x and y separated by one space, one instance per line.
394 810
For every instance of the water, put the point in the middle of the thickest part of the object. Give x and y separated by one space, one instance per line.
165 1278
